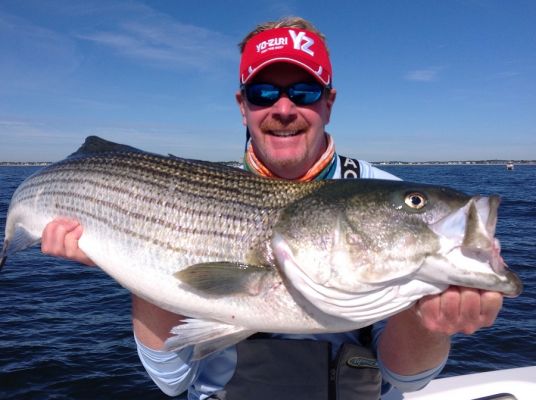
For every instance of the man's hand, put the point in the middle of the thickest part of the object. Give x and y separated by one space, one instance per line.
60 239
418 339
459 310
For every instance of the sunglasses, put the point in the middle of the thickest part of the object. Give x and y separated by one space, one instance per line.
266 94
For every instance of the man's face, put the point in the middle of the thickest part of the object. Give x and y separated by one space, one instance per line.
287 138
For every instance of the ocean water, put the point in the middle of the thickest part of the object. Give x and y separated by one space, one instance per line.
65 329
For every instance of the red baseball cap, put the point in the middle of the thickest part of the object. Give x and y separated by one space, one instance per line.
291 45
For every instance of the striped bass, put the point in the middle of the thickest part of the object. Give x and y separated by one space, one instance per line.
237 253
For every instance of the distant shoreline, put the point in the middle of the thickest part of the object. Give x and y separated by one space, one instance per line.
480 162
24 163
376 163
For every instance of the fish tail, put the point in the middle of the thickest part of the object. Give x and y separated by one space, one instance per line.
3 254
20 239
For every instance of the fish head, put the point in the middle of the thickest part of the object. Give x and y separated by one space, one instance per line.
359 236
470 254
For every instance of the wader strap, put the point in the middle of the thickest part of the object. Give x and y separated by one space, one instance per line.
349 168
365 336
356 375
270 369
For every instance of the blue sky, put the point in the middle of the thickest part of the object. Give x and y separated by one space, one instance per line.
417 80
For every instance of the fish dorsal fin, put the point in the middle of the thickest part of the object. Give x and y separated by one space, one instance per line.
95 144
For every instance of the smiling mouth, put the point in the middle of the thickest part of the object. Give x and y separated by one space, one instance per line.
284 133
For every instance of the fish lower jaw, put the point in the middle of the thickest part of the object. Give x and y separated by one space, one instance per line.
470 258
456 268
490 255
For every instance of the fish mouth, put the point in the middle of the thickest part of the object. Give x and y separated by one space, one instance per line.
470 232
479 239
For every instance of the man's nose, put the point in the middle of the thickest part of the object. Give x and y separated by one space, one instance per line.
284 108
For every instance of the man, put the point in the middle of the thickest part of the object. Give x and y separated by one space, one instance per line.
286 98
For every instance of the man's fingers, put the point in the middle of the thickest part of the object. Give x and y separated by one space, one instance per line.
469 319
450 307
490 305
428 309
459 309
53 238
60 238
70 243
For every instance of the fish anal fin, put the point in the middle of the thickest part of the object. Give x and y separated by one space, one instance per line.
225 278
206 336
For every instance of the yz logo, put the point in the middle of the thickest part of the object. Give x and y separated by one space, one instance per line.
302 42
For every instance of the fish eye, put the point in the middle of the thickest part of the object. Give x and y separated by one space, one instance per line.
415 200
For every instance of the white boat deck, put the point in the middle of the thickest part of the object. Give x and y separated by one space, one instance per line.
518 382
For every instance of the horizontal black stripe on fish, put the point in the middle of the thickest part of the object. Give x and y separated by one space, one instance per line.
144 217
249 187
145 238
224 206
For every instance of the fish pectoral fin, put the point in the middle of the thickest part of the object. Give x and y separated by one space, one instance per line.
206 336
224 278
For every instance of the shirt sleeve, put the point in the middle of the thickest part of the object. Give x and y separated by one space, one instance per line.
404 383
172 371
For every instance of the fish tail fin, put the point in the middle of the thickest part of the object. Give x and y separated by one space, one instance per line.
19 240
3 254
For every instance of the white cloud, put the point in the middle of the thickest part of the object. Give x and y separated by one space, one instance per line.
424 75
157 39
504 75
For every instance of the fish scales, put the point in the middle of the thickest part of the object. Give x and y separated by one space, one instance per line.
167 196
192 179
52 195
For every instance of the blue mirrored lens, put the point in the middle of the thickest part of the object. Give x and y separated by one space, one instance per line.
301 94
262 94
304 93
